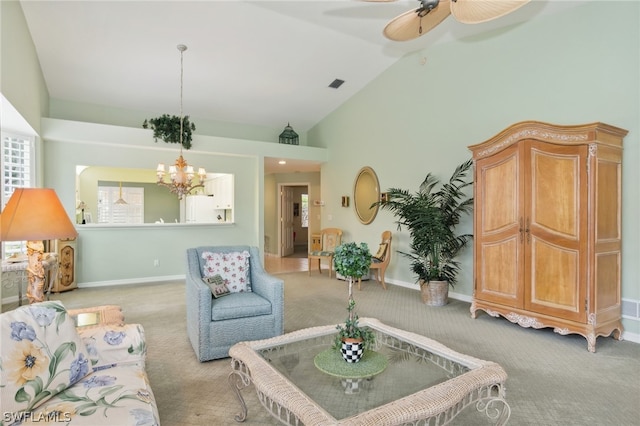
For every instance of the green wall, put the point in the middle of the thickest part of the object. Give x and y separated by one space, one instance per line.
420 115
21 80
101 114
123 254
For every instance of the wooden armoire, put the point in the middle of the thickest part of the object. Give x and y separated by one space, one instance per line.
548 227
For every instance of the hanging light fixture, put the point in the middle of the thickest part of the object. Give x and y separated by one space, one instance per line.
120 200
181 173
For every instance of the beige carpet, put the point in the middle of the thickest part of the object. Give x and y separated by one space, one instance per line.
553 379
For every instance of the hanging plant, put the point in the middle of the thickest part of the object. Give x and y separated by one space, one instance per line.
167 128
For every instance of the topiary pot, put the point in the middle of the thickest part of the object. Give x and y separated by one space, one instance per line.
352 349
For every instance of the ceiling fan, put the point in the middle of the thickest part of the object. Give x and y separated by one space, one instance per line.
430 13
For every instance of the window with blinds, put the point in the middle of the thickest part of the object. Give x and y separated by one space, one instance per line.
18 168
131 210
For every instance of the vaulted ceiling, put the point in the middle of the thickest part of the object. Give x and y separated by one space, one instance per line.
260 62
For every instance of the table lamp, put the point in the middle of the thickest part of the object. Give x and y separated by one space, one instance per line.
35 214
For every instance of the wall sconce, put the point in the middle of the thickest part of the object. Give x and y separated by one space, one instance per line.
345 201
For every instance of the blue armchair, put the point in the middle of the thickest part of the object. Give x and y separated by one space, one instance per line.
216 324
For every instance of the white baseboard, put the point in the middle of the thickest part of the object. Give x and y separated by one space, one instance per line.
631 337
414 286
10 299
94 284
131 281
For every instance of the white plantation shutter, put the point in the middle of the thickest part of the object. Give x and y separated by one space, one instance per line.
110 212
18 171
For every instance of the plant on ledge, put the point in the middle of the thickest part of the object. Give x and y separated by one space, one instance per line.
167 128
352 261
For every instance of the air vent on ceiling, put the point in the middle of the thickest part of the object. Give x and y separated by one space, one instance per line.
336 83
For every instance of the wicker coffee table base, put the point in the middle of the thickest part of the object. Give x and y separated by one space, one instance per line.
482 386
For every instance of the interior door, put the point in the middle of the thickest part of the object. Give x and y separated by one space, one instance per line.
286 219
556 230
498 243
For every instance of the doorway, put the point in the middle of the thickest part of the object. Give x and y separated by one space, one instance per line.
294 220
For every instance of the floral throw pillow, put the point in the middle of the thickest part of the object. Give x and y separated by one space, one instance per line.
41 355
233 267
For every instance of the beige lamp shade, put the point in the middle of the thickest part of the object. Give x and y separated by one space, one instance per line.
412 25
35 214
477 11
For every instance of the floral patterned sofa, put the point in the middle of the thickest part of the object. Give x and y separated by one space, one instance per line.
53 371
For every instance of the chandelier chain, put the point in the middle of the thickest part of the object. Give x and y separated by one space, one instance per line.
181 48
181 173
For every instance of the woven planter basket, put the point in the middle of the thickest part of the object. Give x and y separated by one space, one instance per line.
434 293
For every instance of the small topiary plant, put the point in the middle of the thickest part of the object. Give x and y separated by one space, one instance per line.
352 261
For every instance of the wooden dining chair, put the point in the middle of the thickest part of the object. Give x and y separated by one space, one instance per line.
330 238
380 260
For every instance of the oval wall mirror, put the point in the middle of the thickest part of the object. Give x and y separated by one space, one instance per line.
366 191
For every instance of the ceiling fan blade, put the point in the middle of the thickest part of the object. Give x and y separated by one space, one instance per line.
411 25
477 11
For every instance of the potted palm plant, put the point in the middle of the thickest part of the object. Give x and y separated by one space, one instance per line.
352 261
431 215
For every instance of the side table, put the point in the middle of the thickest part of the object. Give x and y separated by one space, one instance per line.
15 274
97 316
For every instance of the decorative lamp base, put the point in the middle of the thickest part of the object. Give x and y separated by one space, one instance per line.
35 271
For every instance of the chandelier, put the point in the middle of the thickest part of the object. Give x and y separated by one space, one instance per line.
181 173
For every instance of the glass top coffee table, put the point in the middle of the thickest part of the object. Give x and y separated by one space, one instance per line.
423 381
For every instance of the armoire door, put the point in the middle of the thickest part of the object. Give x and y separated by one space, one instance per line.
548 227
556 204
498 239
531 228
